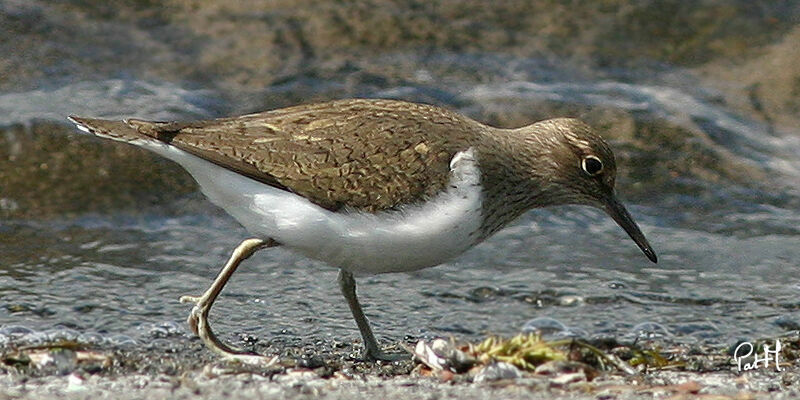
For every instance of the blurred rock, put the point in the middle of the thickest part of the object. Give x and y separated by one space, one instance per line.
47 170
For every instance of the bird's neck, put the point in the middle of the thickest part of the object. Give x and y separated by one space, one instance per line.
516 176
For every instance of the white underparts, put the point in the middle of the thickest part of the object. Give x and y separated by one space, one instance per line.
82 127
413 237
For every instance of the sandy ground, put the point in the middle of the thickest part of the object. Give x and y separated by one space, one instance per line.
300 384
332 371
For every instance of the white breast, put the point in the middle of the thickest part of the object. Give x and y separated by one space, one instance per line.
414 237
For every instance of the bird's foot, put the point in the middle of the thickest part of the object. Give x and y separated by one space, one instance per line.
380 355
198 322
195 314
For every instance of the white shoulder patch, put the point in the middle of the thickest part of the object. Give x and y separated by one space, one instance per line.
464 168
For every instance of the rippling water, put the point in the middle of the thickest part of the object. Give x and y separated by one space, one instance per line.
715 191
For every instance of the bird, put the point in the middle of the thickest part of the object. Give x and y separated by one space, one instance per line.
373 186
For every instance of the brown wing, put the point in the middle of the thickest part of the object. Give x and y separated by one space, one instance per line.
365 154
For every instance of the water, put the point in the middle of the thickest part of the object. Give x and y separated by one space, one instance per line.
714 187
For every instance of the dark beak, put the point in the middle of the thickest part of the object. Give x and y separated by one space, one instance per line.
618 212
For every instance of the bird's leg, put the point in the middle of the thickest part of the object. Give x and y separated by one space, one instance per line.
371 350
198 318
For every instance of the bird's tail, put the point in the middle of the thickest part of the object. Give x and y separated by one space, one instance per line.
115 130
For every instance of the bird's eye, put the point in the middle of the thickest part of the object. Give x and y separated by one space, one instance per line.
592 165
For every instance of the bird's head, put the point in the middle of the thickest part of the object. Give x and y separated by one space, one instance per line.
580 169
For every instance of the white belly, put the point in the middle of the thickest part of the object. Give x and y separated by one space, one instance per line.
414 237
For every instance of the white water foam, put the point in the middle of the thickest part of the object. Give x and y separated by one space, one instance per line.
777 151
113 98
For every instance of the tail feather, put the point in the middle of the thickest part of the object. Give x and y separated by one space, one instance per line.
116 130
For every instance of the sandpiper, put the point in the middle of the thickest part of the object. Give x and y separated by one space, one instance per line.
374 186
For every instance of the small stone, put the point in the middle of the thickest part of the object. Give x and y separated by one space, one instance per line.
497 371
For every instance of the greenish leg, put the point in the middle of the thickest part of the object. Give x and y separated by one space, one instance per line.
371 350
198 318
